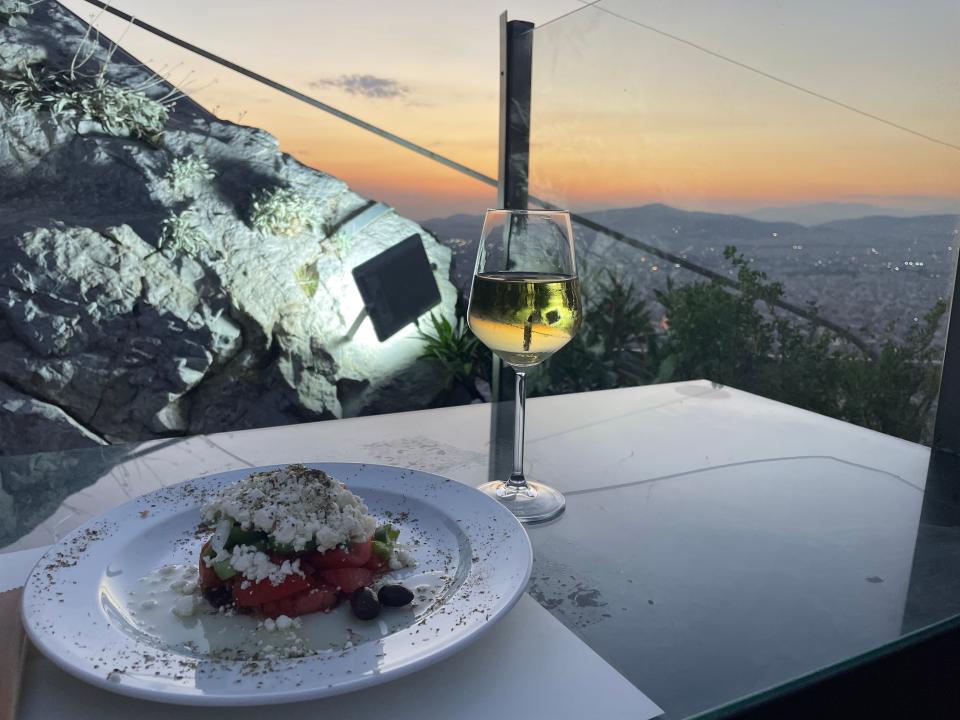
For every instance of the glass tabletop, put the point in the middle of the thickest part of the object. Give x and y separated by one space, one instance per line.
703 581
710 586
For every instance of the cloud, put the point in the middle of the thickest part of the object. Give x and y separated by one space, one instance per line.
370 86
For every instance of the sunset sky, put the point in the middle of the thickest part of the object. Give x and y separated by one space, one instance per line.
622 115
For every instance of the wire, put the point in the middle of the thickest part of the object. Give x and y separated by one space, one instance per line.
769 76
587 4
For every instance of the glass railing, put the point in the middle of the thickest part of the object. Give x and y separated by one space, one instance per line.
806 154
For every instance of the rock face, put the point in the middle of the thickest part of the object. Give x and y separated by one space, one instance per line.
115 327
24 419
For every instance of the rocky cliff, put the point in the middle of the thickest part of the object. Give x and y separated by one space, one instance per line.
165 272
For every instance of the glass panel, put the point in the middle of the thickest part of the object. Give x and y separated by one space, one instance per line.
820 142
248 315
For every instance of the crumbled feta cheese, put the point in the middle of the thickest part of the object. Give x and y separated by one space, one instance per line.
183 586
269 625
294 504
400 559
284 623
185 607
167 570
256 565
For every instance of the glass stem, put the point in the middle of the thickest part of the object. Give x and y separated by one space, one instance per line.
519 414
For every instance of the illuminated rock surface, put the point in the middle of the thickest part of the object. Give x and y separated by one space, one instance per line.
132 337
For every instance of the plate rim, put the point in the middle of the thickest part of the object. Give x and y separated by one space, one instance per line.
262 697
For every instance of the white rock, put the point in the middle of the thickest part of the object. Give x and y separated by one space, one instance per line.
131 343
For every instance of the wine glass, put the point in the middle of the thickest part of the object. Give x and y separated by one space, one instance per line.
524 306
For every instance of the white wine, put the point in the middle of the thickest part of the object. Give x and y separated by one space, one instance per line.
524 317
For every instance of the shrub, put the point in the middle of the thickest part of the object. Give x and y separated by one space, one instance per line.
283 211
457 350
741 339
13 13
122 111
616 345
181 233
896 391
188 174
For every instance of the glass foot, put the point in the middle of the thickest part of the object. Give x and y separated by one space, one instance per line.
535 503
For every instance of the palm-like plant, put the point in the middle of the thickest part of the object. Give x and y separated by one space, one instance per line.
457 350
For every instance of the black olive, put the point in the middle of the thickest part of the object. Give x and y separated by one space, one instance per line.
364 603
218 596
395 596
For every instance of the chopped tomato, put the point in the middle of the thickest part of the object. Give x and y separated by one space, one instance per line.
356 555
319 598
346 580
247 593
208 578
377 564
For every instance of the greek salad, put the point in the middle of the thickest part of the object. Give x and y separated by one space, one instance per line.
293 541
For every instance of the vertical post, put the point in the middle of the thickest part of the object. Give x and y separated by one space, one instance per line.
946 429
516 66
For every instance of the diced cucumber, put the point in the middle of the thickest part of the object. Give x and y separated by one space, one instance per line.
382 549
288 549
224 569
386 534
239 536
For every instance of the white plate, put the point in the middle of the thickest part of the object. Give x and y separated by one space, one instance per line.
81 604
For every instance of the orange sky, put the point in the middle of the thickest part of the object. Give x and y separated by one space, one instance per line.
621 116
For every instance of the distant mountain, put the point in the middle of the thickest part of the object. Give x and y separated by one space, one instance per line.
673 228
820 213
894 229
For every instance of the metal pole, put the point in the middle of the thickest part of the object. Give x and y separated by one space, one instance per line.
516 65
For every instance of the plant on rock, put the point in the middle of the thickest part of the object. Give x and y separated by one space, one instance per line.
120 110
187 175
181 233
13 13
283 211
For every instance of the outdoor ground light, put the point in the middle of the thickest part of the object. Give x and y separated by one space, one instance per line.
397 287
